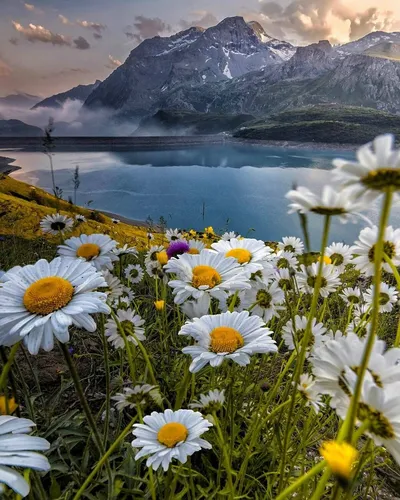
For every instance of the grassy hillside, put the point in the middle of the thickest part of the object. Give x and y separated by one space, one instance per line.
325 124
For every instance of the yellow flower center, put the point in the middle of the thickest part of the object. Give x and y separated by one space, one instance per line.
240 254
327 260
7 406
172 433
225 339
340 457
48 295
88 251
193 251
205 275
382 178
162 257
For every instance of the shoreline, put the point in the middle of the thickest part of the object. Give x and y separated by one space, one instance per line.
6 167
121 144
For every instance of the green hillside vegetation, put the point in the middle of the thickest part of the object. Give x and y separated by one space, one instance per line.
323 124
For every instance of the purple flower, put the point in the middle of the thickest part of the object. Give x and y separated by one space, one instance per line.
71 350
177 248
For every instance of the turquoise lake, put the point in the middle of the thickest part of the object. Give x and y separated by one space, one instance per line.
235 187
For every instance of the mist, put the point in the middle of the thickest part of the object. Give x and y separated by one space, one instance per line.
71 119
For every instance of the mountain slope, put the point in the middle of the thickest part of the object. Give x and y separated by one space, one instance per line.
189 58
366 42
80 93
16 128
20 100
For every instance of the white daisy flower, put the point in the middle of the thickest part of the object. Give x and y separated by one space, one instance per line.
380 406
351 296
308 392
330 361
130 294
54 224
210 402
195 247
291 244
377 168
134 273
267 273
173 234
168 435
284 279
285 260
364 249
122 300
80 218
196 308
126 250
234 336
226 302
97 249
388 297
150 236
17 449
264 299
331 201
152 256
340 255
230 236
247 251
209 273
293 333
115 221
156 271
114 287
131 323
140 395
46 298
307 279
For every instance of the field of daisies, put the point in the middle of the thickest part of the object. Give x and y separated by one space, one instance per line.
210 366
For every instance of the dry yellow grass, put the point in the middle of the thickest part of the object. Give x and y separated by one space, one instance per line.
23 206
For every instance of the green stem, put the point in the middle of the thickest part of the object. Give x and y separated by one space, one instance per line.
127 347
348 426
225 455
107 370
104 458
8 365
304 347
147 359
302 480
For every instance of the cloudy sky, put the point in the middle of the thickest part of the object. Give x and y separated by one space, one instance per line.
49 46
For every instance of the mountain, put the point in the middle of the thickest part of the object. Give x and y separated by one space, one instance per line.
80 93
387 50
20 100
194 57
368 41
16 128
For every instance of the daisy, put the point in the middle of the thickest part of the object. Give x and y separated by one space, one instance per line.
364 249
209 273
248 252
308 392
291 244
332 202
114 287
173 234
195 247
17 449
293 333
126 250
331 360
46 298
132 325
54 224
97 249
129 293
226 302
307 279
134 273
229 236
140 395
234 336
340 255
152 254
264 299
210 402
388 297
196 308
284 279
80 218
155 271
115 221
150 236
351 295
380 406
168 435
285 260
377 168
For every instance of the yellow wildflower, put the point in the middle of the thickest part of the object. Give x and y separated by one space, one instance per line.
341 458
11 404
159 305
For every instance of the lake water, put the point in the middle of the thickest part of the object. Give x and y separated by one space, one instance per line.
233 187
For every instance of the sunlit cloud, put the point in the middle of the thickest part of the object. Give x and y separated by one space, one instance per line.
97 27
29 6
113 63
146 27
35 33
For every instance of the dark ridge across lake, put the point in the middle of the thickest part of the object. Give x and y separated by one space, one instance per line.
120 144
